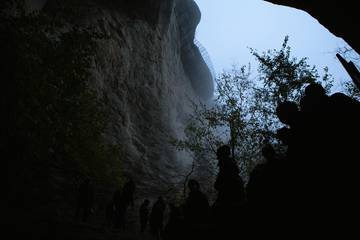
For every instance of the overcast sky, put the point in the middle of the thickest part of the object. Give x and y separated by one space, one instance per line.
228 27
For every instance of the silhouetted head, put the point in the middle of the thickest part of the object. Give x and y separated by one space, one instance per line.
283 134
193 185
287 112
305 104
314 99
268 152
223 152
315 90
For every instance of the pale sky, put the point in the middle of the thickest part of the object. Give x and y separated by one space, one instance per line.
228 27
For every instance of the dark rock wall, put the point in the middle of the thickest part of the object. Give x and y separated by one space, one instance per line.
147 70
341 17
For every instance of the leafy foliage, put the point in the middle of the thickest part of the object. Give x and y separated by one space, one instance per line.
351 90
243 113
284 76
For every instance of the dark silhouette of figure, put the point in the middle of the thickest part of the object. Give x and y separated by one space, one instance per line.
287 113
144 215
122 200
343 142
228 183
196 208
85 200
296 136
335 120
228 211
345 113
174 229
265 180
128 192
266 190
157 217
196 211
315 106
321 173
332 122
306 161
315 99
315 90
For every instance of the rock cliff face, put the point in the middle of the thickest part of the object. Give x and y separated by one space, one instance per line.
146 70
339 17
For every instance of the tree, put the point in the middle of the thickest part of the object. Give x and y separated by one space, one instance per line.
283 77
225 121
351 90
242 114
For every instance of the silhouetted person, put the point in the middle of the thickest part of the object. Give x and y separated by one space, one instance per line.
196 211
228 209
331 122
322 173
296 136
315 99
85 200
315 106
157 217
228 183
260 189
267 193
174 229
299 137
128 192
315 90
343 150
265 189
122 199
318 121
144 215
345 112
288 113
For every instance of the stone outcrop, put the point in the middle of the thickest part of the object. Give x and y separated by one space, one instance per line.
339 17
147 70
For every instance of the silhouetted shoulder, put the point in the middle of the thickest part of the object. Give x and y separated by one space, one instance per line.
344 99
342 103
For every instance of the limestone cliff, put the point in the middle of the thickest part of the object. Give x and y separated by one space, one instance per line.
146 70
